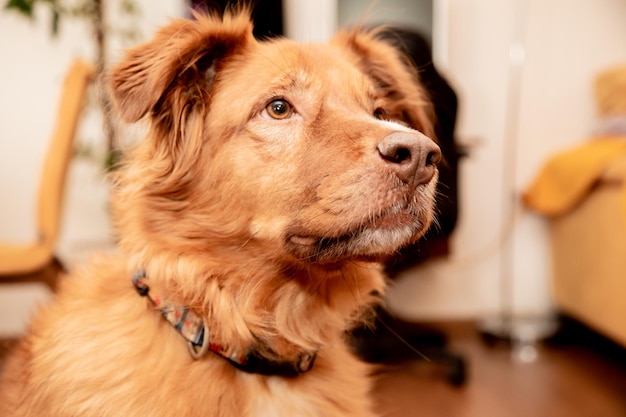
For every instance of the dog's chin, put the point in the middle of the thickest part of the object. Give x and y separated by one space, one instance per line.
374 241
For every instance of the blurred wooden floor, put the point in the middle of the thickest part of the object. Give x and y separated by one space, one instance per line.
569 379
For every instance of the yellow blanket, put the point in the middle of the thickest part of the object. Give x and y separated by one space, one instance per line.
566 178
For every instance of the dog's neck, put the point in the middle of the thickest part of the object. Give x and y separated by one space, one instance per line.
193 328
280 311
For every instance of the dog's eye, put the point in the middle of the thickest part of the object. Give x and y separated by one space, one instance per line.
279 109
380 114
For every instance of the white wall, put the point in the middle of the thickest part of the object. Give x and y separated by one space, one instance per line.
32 69
413 14
308 21
566 43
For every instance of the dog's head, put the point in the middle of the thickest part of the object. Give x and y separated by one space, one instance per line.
300 152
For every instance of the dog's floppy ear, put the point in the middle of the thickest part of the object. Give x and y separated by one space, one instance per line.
182 56
393 75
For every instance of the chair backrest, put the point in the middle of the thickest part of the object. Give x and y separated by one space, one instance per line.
60 150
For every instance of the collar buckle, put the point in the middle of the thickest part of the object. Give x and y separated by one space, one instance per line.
198 351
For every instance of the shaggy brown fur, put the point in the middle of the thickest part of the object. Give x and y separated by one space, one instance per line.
273 177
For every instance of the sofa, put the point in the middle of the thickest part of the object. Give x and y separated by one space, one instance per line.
582 191
589 256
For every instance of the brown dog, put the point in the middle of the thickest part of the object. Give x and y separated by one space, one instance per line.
273 177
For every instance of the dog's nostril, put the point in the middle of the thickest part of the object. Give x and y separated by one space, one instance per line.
433 158
394 153
399 156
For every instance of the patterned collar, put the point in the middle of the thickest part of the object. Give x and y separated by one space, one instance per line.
192 327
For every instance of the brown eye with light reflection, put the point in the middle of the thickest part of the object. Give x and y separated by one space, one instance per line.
279 109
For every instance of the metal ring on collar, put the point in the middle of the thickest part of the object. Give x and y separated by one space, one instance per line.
199 351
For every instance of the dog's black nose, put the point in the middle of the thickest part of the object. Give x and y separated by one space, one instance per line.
412 156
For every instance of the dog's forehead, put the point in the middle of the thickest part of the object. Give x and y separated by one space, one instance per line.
299 63
302 53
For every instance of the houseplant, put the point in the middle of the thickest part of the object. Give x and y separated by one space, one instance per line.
93 13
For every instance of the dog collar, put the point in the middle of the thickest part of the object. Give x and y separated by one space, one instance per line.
192 327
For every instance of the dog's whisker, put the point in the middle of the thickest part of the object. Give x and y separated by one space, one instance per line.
247 241
404 341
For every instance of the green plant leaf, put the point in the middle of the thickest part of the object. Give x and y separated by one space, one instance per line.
22 6
55 22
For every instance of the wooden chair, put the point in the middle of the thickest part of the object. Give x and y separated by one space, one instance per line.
36 261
